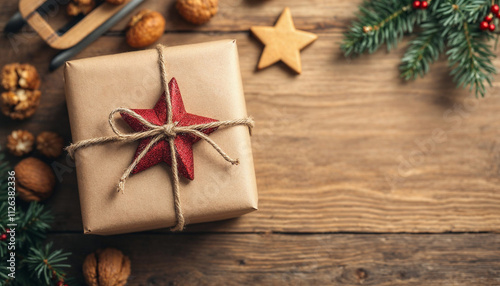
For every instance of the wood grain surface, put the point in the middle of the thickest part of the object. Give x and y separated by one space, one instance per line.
322 259
346 147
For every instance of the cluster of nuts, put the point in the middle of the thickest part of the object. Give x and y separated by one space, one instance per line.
21 142
35 180
106 267
147 26
77 7
21 96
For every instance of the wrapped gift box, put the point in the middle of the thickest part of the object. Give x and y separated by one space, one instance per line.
209 80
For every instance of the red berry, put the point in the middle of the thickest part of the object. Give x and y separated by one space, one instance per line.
3 237
498 15
424 5
484 25
416 4
489 17
492 27
495 8
60 283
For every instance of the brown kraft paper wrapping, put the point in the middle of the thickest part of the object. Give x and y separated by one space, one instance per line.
210 83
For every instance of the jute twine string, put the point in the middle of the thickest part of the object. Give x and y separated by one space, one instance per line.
164 132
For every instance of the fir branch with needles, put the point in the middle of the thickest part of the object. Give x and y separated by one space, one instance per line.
422 51
36 262
47 265
461 30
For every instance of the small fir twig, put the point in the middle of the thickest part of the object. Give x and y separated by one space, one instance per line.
35 264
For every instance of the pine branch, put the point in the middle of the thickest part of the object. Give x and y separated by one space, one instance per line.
3 223
47 265
4 168
36 265
422 51
453 13
33 224
380 22
470 58
469 55
22 278
451 25
476 10
4 279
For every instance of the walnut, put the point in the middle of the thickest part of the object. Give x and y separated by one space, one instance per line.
106 267
50 144
77 7
15 76
197 11
20 142
145 28
20 104
116 2
22 96
35 180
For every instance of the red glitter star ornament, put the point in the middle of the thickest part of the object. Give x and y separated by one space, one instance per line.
160 152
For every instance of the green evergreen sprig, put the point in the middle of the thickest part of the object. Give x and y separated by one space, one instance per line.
380 22
46 264
449 27
33 224
36 264
422 51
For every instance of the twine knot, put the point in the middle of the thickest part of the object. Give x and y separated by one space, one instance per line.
169 130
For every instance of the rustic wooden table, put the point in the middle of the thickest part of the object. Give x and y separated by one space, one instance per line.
363 179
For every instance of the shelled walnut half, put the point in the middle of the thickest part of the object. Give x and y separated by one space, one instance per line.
21 103
20 142
16 76
21 96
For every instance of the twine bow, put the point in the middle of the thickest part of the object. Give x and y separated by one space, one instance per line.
159 132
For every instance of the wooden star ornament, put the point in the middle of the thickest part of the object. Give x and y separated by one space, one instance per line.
283 42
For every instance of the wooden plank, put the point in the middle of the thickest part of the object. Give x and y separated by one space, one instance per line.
343 259
233 15
346 146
